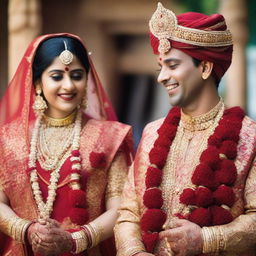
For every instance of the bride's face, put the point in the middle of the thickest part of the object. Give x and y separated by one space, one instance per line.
63 87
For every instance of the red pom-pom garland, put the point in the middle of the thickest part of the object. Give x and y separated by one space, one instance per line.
150 240
203 176
227 173
203 196
153 177
97 160
224 195
201 216
153 220
153 198
77 197
228 148
220 216
158 155
214 176
210 156
188 196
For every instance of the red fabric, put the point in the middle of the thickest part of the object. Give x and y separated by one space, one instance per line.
60 202
220 56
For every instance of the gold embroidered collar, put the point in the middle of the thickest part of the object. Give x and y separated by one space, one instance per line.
59 122
201 122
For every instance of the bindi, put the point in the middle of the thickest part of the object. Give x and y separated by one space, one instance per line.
66 68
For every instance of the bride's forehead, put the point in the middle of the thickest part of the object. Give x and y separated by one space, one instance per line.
58 63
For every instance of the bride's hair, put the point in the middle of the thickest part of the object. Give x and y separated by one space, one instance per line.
49 49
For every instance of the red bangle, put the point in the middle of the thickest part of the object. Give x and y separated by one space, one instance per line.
88 234
72 240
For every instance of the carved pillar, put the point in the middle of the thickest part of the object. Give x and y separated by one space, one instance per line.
24 26
235 12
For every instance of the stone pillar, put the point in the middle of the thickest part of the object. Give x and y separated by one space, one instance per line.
235 12
24 25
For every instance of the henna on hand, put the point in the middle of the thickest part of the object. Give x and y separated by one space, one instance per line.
47 237
185 238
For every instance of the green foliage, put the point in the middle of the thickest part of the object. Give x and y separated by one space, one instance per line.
204 6
252 27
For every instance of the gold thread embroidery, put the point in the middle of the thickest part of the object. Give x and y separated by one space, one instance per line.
116 176
131 247
202 122
163 25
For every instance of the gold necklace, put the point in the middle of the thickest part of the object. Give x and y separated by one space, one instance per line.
58 122
201 122
53 144
46 208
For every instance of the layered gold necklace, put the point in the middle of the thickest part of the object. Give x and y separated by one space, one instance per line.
54 143
43 146
55 139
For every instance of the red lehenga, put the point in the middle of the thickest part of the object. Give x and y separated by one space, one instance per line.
100 134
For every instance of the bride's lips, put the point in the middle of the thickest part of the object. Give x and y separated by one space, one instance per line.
67 96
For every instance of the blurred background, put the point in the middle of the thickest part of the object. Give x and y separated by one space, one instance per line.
116 33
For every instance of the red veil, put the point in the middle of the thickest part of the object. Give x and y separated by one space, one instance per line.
20 94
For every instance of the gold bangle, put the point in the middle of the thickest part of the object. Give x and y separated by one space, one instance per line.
222 240
96 232
213 239
131 247
207 239
17 228
81 241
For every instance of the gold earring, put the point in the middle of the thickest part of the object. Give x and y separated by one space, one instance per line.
84 102
39 105
204 76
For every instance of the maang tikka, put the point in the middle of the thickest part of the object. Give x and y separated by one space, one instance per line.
66 56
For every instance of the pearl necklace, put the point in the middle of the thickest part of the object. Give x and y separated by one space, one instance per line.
45 208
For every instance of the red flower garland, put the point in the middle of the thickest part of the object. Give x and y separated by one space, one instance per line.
77 197
214 176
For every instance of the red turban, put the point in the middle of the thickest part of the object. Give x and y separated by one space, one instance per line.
221 56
